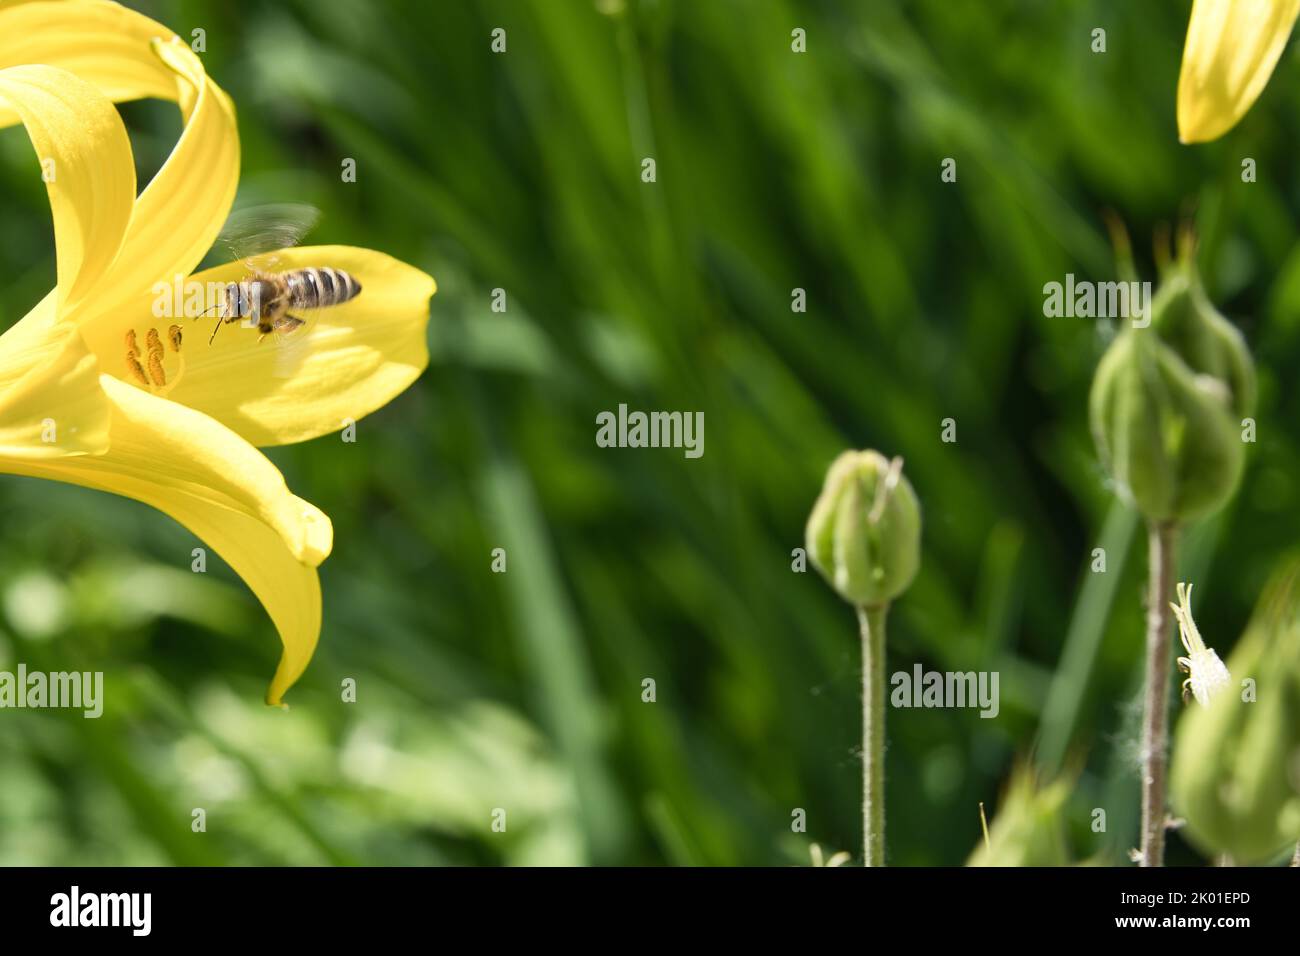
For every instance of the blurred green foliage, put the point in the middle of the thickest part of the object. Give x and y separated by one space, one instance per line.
775 170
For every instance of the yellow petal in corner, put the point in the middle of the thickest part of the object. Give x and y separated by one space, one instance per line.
103 43
1232 47
223 490
126 56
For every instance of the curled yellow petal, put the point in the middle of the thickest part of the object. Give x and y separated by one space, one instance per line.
128 56
103 43
183 450
204 476
288 589
180 212
345 362
1232 47
85 159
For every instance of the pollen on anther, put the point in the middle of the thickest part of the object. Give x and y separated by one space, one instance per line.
156 367
133 364
131 348
153 342
174 337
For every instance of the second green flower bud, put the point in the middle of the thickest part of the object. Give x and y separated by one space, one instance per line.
1168 401
864 534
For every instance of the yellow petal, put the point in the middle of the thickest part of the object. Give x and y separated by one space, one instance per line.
179 214
103 43
204 476
27 340
85 157
51 402
347 361
1232 47
288 589
128 56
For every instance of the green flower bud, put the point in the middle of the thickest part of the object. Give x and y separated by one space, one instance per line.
1188 322
864 533
1235 775
1029 829
1167 403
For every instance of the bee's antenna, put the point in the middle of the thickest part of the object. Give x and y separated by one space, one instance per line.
221 318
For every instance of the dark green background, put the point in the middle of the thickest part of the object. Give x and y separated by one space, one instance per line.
775 170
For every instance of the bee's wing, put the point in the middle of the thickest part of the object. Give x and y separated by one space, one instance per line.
253 231
291 350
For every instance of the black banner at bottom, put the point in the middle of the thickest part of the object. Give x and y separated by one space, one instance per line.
337 905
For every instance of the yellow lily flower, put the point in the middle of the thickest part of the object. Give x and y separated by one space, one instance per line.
1232 47
71 406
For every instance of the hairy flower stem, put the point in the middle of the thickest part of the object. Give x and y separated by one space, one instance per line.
1155 716
871 622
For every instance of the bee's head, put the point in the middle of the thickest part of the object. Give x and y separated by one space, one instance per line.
246 299
233 301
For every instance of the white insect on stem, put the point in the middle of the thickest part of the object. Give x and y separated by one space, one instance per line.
819 858
1207 675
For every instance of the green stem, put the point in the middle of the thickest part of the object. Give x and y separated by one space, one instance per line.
1155 717
871 623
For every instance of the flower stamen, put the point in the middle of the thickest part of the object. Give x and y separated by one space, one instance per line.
156 371
133 359
137 371
156 381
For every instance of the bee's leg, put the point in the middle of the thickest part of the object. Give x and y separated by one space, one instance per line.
286 324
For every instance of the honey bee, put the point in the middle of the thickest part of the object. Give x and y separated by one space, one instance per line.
264 299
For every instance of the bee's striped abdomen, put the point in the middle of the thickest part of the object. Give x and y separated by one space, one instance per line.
320 287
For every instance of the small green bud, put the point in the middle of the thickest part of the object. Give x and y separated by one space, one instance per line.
1029 829
864 533
1167 403
1235 775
